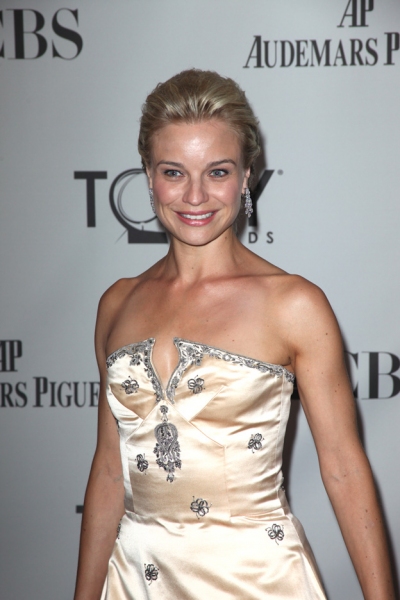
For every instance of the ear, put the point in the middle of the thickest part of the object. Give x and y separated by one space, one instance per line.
246 179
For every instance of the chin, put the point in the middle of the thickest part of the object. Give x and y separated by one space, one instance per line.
201 237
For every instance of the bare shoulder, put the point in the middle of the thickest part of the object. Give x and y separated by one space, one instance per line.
307 317
293 291
292 296
116 294
110 303
299 307
299 295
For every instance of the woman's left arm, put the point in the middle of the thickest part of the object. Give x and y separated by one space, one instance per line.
327 399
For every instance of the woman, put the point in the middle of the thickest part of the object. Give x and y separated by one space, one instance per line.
190 481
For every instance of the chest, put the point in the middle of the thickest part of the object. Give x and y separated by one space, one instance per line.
226 316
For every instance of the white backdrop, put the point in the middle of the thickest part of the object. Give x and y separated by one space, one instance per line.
70 98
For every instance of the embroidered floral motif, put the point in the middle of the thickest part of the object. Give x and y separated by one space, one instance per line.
275 533
136 360
142 463
195 354
255 442
167 449
164 412
196 385
139 353
200 507
130 385
150 572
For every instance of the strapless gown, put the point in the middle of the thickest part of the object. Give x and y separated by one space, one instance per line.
206 517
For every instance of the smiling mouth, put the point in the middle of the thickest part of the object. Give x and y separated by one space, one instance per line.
196 217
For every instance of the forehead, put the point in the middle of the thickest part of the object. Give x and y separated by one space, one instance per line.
203 137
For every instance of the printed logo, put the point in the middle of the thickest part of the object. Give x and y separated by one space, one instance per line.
24 38
10 350
373 374
121 206
357 10
315 52
41 391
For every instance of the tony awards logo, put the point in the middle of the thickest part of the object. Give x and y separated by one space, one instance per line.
129 201
134 216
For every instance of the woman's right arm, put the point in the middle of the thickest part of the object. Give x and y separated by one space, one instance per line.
104 498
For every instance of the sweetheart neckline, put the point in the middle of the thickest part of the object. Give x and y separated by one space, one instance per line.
289 374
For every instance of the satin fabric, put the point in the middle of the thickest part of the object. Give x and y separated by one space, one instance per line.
211 519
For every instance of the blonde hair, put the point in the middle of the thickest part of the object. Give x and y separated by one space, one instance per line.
192 96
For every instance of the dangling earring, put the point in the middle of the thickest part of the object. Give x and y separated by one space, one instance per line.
248 205
152 200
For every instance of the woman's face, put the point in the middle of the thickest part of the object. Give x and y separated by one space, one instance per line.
197 177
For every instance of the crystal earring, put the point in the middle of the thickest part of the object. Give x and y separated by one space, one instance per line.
248 205
152 200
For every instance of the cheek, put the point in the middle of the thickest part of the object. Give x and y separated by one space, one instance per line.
162 191
233 191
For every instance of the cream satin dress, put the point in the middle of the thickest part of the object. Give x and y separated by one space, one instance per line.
206 517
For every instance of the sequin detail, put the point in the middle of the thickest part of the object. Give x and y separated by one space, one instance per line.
167 449
196 385
255 442
139 353
276 533
200 507
130 386
150 572
141 463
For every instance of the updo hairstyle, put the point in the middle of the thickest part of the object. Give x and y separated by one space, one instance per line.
192 96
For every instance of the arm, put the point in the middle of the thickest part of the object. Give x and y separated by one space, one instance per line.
104 498
327 399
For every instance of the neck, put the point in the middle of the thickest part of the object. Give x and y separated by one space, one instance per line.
190 264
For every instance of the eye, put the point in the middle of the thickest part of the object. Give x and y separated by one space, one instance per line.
219 173
172 173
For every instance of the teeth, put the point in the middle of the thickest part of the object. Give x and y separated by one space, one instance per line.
197 217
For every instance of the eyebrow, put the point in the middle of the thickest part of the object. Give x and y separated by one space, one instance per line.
215 163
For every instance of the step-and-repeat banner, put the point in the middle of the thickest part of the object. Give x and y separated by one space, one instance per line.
324 80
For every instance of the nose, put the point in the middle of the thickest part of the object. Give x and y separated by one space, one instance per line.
195 193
